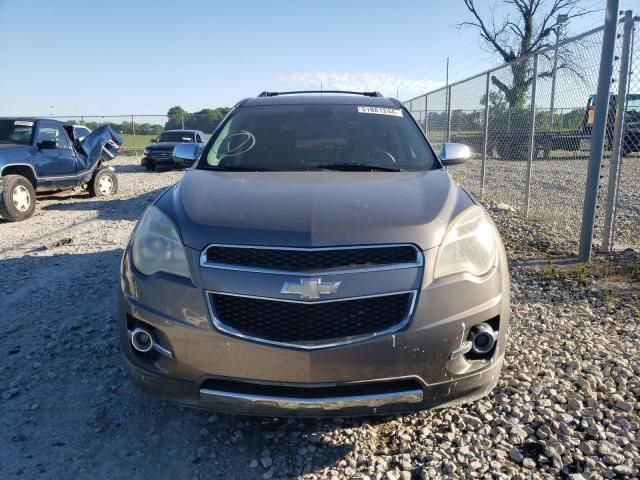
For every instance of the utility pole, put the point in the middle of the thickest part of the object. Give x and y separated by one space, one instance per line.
598 131
562 18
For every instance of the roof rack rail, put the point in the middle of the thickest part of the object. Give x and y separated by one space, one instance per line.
275 94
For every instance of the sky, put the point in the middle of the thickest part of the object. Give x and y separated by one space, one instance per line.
70 57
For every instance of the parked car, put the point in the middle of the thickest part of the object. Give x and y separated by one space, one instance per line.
159 153
44 154
317 260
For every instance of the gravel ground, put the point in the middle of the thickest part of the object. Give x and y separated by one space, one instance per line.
567 403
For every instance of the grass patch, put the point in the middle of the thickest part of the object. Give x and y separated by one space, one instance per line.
550 269
141 141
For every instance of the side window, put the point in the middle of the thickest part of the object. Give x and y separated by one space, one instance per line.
63 142
199 138
53 134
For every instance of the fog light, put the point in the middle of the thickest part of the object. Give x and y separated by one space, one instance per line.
483 338
141 340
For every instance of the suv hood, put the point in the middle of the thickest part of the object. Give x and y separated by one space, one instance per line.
307 209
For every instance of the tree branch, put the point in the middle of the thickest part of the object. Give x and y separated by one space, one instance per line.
484 32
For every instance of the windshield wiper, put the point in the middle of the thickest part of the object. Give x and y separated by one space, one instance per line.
240 168
355 167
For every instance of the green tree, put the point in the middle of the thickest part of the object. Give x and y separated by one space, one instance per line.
177 117
206 119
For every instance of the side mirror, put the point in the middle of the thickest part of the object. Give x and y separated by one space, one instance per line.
454 154
186 152
47 144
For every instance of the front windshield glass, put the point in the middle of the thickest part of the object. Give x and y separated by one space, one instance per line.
176 137
16 131
306 137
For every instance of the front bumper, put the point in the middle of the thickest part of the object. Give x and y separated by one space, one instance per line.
273 380
163 161
197 395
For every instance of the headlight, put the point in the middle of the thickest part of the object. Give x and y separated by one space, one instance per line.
146 151
157 246
469 245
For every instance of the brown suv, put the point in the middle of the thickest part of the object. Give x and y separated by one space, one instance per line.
317 260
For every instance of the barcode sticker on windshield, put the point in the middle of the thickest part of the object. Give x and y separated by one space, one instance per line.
394 112
23 123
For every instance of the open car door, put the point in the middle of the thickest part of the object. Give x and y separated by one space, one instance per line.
102 144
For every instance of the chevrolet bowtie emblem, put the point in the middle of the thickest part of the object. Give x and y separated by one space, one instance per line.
310 288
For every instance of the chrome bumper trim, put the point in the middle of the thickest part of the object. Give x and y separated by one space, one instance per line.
250 401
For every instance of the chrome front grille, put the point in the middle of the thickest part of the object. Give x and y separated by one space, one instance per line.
311 297
161 154
310 324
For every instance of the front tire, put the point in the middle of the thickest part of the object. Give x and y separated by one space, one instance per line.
18 198
104 183
148 163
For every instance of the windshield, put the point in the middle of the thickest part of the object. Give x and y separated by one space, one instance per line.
303 137
16 131
176 137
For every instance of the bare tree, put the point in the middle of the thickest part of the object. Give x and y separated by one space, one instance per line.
516 36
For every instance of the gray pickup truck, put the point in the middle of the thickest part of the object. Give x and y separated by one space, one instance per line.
318 259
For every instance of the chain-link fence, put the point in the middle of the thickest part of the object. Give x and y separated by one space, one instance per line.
138 131
529 126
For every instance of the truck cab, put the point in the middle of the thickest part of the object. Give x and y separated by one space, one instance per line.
631 132
43 155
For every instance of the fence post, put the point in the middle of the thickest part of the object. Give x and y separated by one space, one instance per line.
486 137
553 79
532 132
426 112
618 147
133 127
448 114
598 131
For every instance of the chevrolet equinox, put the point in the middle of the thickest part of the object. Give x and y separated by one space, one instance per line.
318 259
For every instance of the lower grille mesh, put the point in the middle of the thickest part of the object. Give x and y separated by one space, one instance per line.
292 322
